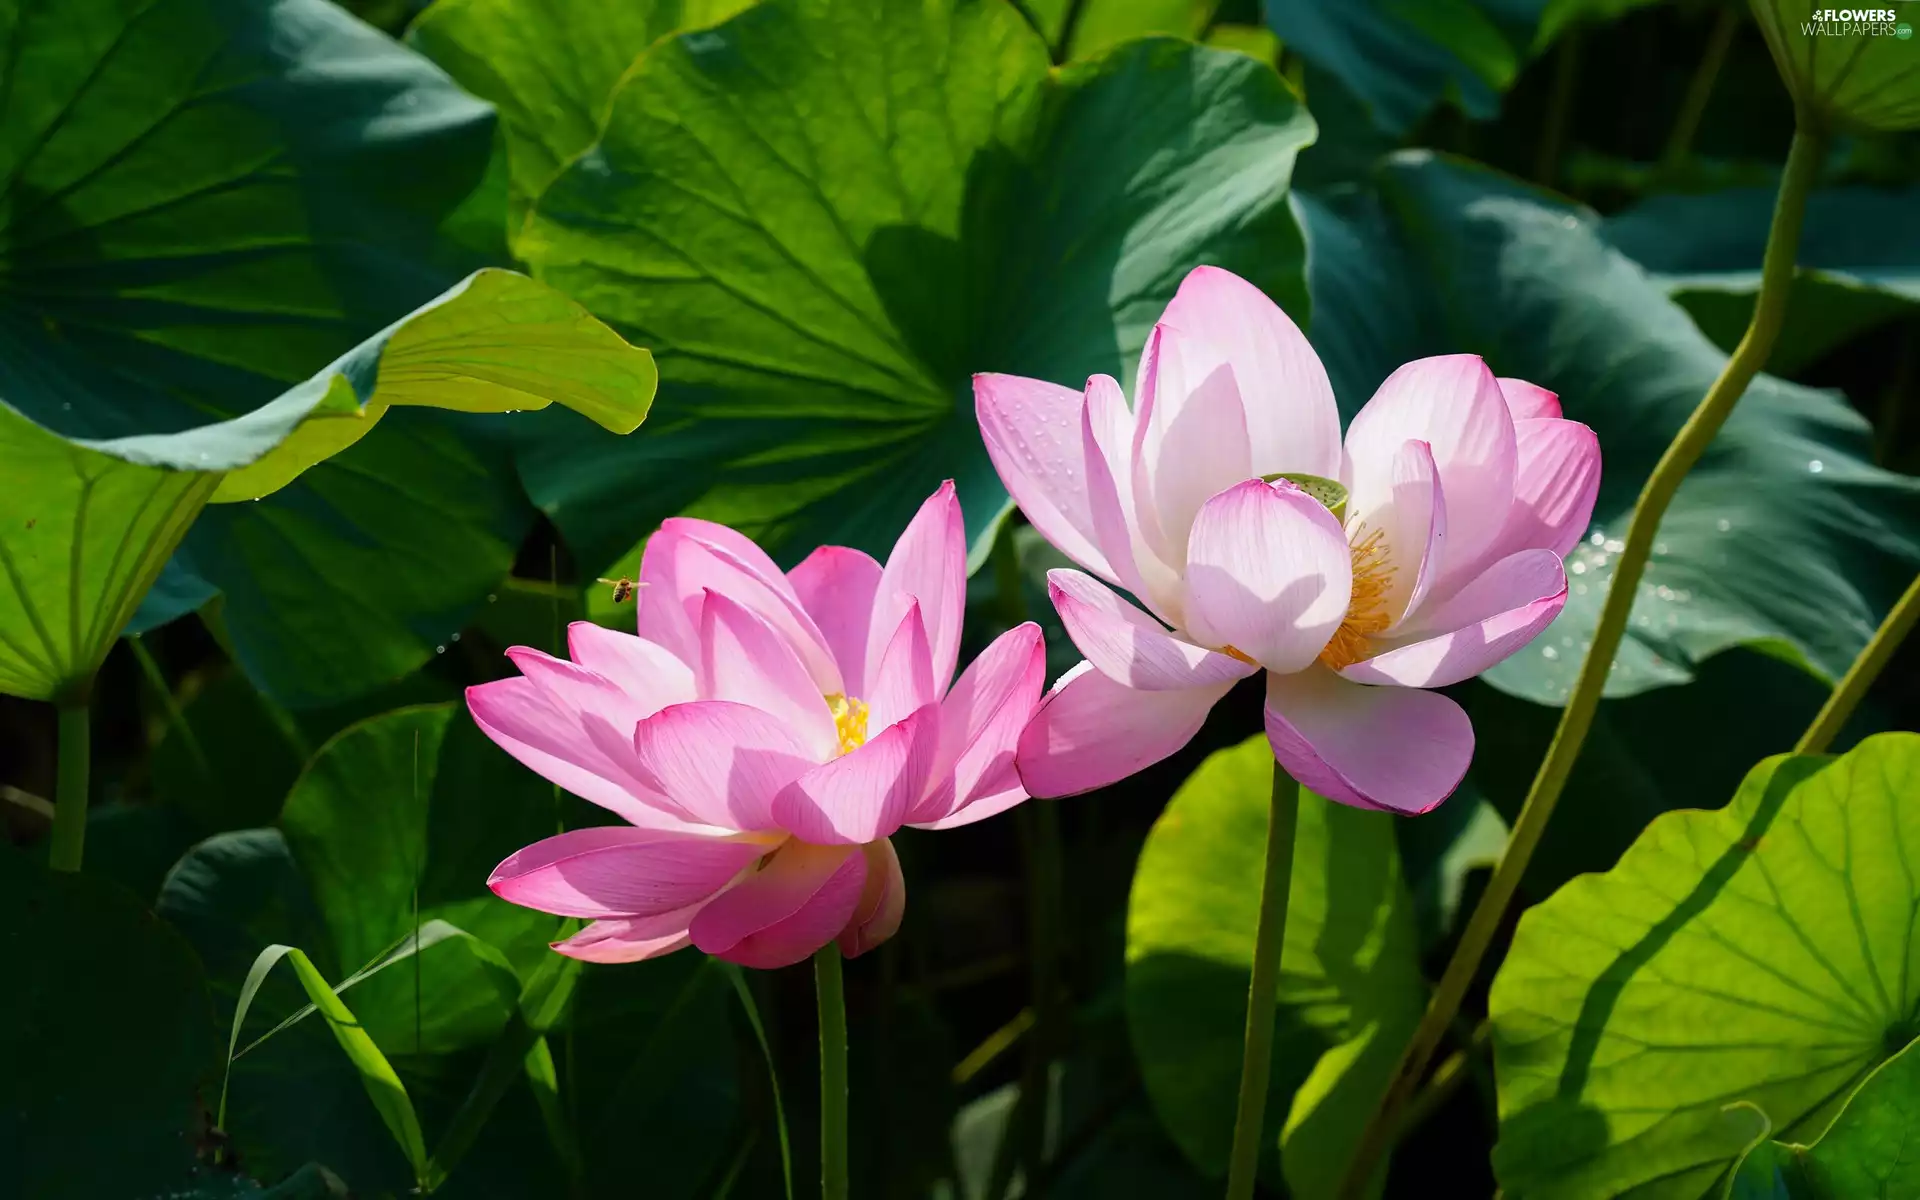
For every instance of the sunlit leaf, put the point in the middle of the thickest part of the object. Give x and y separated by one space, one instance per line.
1761 953
1857 73
1350 986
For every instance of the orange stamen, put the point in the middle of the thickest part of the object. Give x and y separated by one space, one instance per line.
1367 614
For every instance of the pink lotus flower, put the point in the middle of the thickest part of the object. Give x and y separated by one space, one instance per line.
762 736
1464 492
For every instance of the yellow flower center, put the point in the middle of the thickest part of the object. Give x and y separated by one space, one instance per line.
849 721
1367 614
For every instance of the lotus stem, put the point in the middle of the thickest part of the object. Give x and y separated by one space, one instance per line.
1852 688
1256 1059
831 990
70 796
1776 278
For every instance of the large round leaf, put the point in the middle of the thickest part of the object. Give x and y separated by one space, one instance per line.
1859 262
1761 953
825 215
1860 72
106 1037
550 66
1350 985
88 524
1783 536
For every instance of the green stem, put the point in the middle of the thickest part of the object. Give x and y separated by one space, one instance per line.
1776 277
70 796
1256 1059
1553 134
1700 88
1860 676
833 1072
176 718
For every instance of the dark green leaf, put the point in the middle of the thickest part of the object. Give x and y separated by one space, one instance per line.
825 215
1350 986
105 1036
1760 953
1448 258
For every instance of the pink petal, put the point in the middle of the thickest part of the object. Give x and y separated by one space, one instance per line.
836 586
1454 404
883 901
865 794
928 565
720 762
1410 518
1147 399
1528 400
568 725
1501 610
980 724
630 939
688 557
798 901
903 681
1106 432
1268 573
620 871
1131 646
1553 494
1396 749
743 659
1091 731
1292 421
647 672
1196 443
1028 426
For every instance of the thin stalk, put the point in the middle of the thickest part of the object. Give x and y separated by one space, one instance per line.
831 991
1860 676
1553 134
1776 278
70 794
176 718
1256 1059
1700 88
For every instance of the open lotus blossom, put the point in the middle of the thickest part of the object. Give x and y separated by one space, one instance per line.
762 736
1463 493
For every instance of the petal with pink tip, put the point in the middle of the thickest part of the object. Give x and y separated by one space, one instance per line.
1396 749
836 585
883 901
928 565
903 680
1527 401
1196 442
980 724
1029 427
620 871
1553 494
1454 404
567 724
687 557
1292 421
744 660
1499 611
797 902
864 794
647 672
1268 573
630 939
1106 433
1131 646
1091 731
719 761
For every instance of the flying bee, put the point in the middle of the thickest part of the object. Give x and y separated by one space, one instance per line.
623 588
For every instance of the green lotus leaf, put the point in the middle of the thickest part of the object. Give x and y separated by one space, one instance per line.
1860 73
87 525
1350 985
1759 954
825 215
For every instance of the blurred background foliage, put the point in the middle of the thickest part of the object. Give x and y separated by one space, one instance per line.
213 200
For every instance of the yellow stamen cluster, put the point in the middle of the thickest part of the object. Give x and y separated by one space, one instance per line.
849 721
1367 614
